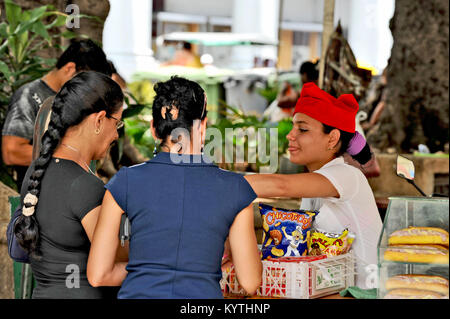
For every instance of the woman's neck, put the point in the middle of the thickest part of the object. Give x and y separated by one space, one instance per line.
73 150
319 164
179 148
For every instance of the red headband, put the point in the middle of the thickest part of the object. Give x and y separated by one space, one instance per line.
318 104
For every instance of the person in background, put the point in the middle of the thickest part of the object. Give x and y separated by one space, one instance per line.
323 130
60 194
309 73
117 77
19 127
285 102
375 102
182 209
185 56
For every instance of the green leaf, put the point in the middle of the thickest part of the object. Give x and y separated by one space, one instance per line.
4 69
4 46
59 21
46 61
23 41
80 16
37 13
136 132
3 30
132 110
12 46
13 13
39 28
30 18
68 35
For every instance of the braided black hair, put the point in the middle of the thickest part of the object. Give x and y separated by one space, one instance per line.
185 95
86 93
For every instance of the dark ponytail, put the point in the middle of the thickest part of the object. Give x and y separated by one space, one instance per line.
352 143
86 93
178 102
358 149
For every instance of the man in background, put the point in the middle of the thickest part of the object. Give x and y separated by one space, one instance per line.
26 102
185 56
283 106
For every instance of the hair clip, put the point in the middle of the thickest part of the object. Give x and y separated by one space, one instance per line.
30 199
30 202
173 110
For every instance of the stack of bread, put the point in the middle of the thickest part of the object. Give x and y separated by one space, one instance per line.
418 245
416 287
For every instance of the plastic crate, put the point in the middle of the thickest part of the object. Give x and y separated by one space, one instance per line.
295 279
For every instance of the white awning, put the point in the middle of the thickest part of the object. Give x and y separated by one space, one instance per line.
217 38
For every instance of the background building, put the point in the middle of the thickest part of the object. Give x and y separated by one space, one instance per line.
132 27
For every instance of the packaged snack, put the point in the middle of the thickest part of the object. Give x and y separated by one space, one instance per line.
330 244
298 259
285 231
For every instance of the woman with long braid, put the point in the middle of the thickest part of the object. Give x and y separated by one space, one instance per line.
61 196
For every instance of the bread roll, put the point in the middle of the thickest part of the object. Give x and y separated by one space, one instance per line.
419 236
429 254
404 293
423 282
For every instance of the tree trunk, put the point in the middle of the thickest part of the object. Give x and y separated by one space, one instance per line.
417 96
91 28
328 28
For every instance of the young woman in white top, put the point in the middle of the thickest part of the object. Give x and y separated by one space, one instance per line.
323 130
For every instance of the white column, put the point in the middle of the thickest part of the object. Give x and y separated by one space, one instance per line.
254 16
369 35
127 36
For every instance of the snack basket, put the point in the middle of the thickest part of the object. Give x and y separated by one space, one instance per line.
312 277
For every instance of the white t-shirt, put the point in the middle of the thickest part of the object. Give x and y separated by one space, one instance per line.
355 209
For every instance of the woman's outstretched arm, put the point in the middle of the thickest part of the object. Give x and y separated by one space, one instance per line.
303 185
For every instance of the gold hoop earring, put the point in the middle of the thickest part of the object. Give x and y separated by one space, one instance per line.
97 131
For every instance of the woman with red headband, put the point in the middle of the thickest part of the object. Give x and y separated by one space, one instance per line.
323 130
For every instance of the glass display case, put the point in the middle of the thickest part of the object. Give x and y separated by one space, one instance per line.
404 212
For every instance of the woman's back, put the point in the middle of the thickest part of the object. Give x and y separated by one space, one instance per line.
180 216
68 193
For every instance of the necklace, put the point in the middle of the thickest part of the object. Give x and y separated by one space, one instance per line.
74 149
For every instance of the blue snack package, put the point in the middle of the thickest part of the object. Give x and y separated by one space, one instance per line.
286 231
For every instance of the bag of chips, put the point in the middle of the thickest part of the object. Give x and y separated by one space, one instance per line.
330 244
286 231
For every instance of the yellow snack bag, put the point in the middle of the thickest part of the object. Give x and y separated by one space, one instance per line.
330 244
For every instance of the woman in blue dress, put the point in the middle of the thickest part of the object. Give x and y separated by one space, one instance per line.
182 209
